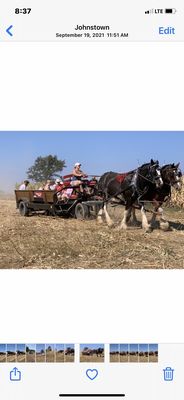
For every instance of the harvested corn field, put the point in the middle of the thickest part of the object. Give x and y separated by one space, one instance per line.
41 241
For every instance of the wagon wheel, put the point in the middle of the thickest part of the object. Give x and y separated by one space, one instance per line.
23 209
81 211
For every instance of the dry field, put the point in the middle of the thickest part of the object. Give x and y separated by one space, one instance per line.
153 358
50 356
133 358
69 358
41 241
40 357
30 357
21 358
114 357
124 358
11 357
59 357
92 358
143 359
2 358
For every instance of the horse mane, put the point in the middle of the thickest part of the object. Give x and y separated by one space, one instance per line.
167 166
155 162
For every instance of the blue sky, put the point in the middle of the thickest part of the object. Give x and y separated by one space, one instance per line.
31 346
143 347
114 347
11 347
40 347
59 347
133 347
50 345
21 347
3 348
153 347
97 151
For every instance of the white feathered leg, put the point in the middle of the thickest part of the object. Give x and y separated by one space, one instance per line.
145 223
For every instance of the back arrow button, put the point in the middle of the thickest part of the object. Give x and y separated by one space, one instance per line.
8 30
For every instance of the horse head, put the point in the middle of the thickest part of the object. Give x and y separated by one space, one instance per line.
172 175
152 173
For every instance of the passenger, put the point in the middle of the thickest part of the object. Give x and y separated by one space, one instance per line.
47 185
78 174
58 184
24 185
62 192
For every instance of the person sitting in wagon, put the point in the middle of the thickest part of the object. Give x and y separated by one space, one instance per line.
77 175
24 185
48 185
63 193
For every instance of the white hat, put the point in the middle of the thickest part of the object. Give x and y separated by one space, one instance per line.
77 164
58 180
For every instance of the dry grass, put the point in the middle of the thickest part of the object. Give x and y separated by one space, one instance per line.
30 357
92 358
114 357
40 241
59 357
2 358
40 357
69 358
21 358
11 358
50 356
177 198
153 358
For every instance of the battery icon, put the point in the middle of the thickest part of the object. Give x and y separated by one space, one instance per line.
170 10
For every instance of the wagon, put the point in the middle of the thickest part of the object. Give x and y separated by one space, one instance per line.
80 206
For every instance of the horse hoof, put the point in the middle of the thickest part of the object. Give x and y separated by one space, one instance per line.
122 227
148 229
111 225
164 226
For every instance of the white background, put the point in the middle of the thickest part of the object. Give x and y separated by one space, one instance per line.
47 86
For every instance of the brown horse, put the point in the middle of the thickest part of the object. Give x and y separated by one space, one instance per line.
172 177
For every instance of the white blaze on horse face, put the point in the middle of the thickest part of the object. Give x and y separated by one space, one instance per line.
159 182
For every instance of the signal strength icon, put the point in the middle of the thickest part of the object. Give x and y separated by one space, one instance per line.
149 11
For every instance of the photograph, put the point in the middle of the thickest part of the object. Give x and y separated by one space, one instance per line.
11 353
30 353
143 353
60 348
21 352
153 352
114 352
124 352
92 353
69 353
2 353
91 200
133 353
40 353
50 353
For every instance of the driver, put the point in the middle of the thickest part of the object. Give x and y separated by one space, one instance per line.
77 175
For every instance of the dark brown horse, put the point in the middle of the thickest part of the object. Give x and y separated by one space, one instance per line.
127 189
172 177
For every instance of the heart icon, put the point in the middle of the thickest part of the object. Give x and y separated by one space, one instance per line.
92 373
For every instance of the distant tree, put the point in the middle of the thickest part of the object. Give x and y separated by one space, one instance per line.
45 168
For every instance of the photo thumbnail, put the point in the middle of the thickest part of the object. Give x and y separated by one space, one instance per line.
91 200
92 353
